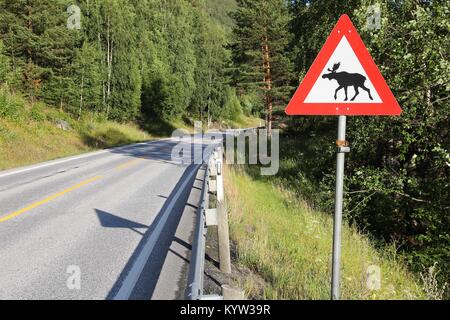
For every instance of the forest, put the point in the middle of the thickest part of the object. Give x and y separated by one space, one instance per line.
149 61
126 60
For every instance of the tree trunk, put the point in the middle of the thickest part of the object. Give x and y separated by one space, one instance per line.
110 75
102 68
27 73
30 28
210 83
109 67
81 96
268 84
13 55
428 100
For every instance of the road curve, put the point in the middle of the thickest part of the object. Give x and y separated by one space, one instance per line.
96 216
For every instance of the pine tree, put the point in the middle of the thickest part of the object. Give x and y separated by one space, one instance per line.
5 68
40 46
260 51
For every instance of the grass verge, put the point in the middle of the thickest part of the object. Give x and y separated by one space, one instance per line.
33 142
282 239
244 122
30 134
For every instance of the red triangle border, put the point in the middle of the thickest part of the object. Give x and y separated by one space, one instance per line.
388 106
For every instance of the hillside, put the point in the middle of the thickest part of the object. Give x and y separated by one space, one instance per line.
32 134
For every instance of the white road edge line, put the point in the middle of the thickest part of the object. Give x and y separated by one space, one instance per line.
133 275
64 160
52 163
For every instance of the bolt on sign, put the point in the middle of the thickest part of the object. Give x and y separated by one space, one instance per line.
342 81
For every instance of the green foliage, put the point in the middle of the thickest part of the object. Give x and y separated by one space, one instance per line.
288 244
311 24
28 132
252 104
130 59
88 79
11 107
397 175
411 159
220 11
211 74
5 67
233 108
37 113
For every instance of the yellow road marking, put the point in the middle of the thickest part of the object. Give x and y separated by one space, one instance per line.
46 200
128 164
37 204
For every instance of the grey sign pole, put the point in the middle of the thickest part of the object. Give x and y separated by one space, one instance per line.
341 151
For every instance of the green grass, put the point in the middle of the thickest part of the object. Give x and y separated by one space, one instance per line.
244 122
281 238
106 134
33 142
28 134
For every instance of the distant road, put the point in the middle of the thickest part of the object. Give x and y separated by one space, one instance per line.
120 217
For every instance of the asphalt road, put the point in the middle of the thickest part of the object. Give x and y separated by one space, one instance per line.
114 224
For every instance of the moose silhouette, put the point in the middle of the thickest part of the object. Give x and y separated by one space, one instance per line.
346 80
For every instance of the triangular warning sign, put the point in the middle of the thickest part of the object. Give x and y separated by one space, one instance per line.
343 80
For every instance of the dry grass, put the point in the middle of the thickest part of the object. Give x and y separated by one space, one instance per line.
33 142
28 134
282 239
22 144
243 122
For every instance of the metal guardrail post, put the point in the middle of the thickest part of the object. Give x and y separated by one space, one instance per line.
194 290
213 168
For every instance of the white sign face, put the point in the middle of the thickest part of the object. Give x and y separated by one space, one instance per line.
343 72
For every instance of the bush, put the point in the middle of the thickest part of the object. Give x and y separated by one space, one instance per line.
233 108
252 104
37 113
11 107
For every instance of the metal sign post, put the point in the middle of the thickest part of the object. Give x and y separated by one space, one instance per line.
341 151
344 50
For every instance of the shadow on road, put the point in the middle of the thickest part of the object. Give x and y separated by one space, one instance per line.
152 150
149 277
109 220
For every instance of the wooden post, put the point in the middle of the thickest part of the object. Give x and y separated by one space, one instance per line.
224 238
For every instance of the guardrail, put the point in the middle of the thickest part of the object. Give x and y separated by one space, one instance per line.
218 216
195 280
206 216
